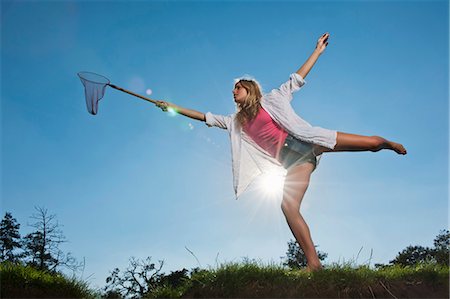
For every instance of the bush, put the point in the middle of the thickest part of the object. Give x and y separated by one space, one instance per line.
20 281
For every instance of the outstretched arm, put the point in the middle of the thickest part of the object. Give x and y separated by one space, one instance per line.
184 111
322 43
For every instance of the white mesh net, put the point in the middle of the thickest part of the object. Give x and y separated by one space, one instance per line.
94 89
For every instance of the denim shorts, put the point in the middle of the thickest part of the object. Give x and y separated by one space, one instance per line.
295 152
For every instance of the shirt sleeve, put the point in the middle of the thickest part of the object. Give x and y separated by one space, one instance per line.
216 120
286 89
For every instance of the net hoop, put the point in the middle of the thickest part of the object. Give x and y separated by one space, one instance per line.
93 78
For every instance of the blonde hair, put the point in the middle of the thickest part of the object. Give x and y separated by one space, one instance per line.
248 110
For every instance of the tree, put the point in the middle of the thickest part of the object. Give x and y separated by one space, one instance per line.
175 278
9 239
36 251
136 281
42 246
441 249
296 258
414 255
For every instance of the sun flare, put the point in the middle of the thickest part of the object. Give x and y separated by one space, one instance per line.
271 184
171 111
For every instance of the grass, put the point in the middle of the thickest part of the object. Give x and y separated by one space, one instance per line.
255 280
19 281
252 279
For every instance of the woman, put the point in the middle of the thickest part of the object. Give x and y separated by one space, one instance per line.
266 133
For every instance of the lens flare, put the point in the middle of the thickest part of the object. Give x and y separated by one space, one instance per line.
271 184
136 83
172 112
148 91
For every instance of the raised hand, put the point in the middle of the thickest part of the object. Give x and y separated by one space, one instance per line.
322 42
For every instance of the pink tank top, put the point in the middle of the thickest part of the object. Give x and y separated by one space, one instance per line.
266 133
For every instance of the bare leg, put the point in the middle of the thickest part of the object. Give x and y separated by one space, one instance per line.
296 183
352 142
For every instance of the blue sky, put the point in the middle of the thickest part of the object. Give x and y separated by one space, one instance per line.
134 181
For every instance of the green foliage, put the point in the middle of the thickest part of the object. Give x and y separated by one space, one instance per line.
414 255
9 239
20 281
253 279
137 280
40 248
442 248
414 266
431 272
296 258
175 279
36 246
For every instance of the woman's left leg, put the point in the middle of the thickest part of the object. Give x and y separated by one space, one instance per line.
295 186
346 142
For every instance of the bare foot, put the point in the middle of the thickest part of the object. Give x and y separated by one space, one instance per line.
397 147
310 269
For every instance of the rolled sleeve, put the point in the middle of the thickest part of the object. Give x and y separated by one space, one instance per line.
292 85
216 120
299 80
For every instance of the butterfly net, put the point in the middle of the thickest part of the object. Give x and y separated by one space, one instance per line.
94 89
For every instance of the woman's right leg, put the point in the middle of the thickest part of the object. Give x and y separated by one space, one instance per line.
346 142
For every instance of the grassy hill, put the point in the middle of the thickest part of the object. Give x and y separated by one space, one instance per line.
251 280
26 282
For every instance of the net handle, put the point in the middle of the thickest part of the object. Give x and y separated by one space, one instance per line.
132 93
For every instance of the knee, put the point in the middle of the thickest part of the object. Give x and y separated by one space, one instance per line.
376 143
288 207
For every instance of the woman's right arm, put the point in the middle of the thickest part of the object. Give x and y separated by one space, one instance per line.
194 114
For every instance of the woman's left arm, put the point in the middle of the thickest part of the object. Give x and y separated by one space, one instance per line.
322 43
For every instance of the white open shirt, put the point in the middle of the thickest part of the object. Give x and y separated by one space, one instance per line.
249 160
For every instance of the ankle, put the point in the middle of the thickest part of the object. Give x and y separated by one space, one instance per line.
315 265
310 268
